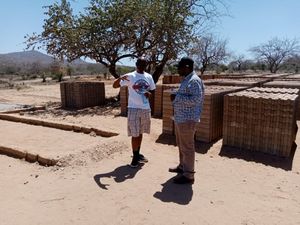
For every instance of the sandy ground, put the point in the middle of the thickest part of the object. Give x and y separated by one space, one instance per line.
94 185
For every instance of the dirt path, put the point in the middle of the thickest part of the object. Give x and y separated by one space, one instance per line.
97 187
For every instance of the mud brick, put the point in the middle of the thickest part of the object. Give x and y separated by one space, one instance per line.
82 94
210 127
159 100
167 111
124 100
269 116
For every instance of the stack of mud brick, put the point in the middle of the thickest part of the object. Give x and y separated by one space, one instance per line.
158 98
289 77
276 75
82 94
247 82
290 81
167 112
124 100
207 76
210 127
252 76
172 79
261 119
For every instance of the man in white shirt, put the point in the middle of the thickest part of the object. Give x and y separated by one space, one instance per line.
140 85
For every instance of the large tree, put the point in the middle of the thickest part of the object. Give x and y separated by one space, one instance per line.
109 31
275 52
208 50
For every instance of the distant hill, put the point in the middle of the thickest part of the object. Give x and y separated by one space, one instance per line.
29 57
35 62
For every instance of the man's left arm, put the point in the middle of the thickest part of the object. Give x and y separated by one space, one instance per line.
149 93
193 96
151 89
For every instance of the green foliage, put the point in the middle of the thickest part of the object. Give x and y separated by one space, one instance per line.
43 77
10 70
59 34
124 69
172 69
69 70
57 76
109 31
221 68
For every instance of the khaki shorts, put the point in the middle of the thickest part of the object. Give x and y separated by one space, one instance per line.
138 121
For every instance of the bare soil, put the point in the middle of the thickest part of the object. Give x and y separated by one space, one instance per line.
92 184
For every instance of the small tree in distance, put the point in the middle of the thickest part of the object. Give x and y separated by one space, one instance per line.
207 51
237 63
275 52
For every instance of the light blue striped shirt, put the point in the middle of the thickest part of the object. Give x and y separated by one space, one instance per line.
189 99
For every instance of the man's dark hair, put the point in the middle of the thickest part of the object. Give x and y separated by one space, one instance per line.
186 62
141 60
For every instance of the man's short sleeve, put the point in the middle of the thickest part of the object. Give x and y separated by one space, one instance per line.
125 82
152 84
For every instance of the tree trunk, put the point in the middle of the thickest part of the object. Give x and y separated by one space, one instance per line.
202 70
113 71
158 71
273 68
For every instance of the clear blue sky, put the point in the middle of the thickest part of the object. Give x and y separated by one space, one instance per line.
252 22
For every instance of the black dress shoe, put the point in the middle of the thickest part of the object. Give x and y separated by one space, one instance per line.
183 180
175 170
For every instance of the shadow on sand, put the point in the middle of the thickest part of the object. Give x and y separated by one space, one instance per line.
178 193
120 174
259 157
166 139
231 152
200 147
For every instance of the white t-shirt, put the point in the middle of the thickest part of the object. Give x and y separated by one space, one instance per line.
138 84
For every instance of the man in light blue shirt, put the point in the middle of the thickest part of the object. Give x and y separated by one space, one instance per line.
187 104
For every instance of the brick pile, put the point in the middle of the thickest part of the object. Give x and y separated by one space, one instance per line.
261 119
173 79
247 82
82 94
292 81
158 98
123 100
167 113
210 126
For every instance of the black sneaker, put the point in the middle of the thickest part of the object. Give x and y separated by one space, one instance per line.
134 163
142 159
